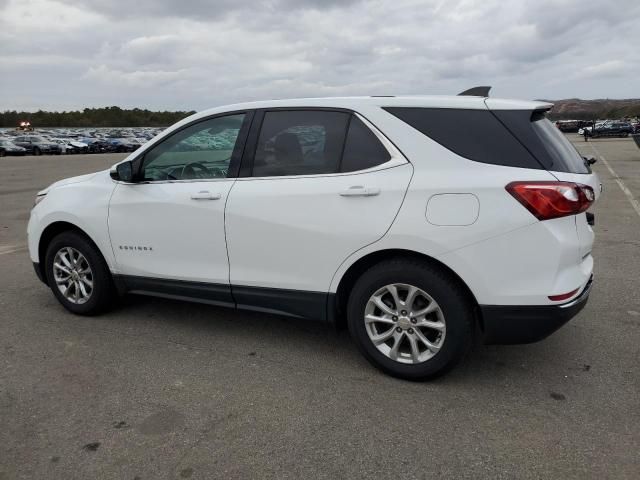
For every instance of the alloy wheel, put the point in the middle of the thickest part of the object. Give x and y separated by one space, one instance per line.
73 276
405 323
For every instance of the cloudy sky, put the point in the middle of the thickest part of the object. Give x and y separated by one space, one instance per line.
194 54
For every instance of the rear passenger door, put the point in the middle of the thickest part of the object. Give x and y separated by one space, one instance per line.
315 186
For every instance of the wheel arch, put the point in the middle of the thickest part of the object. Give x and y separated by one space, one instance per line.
355 270
50 232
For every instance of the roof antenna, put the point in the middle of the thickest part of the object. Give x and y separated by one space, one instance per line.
476 92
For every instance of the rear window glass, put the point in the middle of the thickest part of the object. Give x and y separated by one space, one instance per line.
474 134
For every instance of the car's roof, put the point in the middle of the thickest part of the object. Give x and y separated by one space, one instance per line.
424 101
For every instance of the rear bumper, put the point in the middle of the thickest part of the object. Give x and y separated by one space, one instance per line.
505 325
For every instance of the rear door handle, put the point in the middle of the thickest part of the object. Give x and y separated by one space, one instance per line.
360 191
205 195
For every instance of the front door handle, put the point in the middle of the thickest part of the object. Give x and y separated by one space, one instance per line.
360 191
205 195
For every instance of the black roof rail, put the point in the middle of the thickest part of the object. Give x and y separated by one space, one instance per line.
476 92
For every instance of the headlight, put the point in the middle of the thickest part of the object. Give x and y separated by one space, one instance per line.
39 198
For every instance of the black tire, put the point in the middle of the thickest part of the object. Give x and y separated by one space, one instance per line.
36 151
442 287
2 153
103 293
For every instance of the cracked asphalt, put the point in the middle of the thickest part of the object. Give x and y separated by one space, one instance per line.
160 389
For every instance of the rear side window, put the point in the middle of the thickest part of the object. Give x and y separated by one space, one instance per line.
474 134
300 142
543 140
562 153
362 149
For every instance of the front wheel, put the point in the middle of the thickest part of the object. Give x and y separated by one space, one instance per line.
36 151
410 319
78 275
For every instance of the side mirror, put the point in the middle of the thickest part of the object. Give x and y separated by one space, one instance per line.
590 160
122 172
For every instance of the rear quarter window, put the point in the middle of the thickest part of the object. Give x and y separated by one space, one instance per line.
561 152
362 149
473 134
543 140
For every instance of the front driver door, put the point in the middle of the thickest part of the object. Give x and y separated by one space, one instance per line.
167 230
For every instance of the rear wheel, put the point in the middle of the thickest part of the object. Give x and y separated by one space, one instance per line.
78 275
36 151
410 319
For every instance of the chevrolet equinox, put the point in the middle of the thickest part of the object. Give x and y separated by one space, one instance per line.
418 222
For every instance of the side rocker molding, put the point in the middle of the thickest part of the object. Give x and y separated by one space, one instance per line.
294 303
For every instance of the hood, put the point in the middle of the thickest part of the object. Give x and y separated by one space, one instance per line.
68 181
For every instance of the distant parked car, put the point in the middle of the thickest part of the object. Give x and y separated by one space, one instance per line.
7 147
37 145
609 129
65 147
122 145
568 126
71 146
81 147
101 146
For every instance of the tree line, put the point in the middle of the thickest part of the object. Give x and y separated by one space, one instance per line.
93 117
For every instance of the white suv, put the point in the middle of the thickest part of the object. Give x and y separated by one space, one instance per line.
417 221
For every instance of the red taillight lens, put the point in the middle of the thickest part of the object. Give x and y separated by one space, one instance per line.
547 200
564 296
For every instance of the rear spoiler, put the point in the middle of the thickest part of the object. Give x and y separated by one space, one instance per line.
476 92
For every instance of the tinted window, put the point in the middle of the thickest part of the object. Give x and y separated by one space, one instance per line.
562 152
549 146
299 142
200 151
474 134
362 149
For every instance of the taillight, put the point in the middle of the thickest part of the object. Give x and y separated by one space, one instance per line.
564 296
547 200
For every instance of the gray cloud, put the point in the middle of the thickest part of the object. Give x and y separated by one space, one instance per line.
163 54
200 9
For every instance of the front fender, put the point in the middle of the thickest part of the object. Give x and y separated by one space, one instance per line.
84 205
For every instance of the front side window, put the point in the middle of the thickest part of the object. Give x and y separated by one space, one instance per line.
200 151
300 142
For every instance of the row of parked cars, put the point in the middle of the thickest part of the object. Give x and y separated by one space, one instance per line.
65 141
603 128
610 128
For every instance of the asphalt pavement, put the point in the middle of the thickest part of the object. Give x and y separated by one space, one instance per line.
160 389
